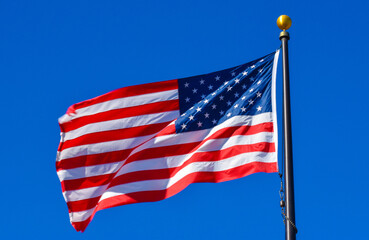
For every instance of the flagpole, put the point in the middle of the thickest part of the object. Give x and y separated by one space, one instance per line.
284 22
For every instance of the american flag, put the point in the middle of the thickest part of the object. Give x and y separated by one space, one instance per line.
148 142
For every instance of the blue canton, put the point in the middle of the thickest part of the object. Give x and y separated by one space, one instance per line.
210 99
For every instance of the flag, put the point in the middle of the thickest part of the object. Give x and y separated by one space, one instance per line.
148 142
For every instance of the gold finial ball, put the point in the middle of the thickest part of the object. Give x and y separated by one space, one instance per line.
284 22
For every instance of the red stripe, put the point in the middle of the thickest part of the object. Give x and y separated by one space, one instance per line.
157 107
101 158
112 135
152 196
174 150
242 130
171 129
127 92
76 184
80 183
158 152
82 205
214 177
93 159
115 156
81 226
197 157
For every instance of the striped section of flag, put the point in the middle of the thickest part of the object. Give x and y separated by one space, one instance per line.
147 142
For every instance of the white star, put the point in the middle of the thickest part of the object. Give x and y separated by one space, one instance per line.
251 102
183 126
186 84
213 94
262 60
221 112
198 109
237 80
251 90
183 114
244 73
206 101
243 109
203 96
259 82
191 108
229 103
194 90
202 81
187 99
229 88
210 87
260 70
221 97
225 83
207 115
233 74
243 98
258 94
244 86
236 95
214 106
229 114
253 66
259 108
214 121
236 106
199 124
191 118
217 78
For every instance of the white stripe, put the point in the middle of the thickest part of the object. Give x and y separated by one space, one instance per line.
162 141
200 135
165 162
103 147
85 193
122 123
210 145
90 171
146 185
175 161
121 103
166 140
274 101
80 216
161 184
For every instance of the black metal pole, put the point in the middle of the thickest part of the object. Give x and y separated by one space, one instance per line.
288 163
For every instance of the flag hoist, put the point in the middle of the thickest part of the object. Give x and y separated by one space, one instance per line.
284 23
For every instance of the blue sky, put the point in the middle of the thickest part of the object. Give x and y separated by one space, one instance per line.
56 53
